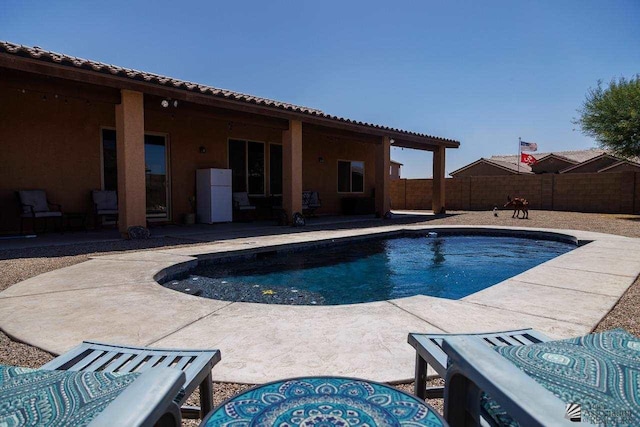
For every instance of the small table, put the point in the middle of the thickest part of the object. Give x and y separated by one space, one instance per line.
324 401
75 221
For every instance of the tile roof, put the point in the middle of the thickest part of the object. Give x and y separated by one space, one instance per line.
577 156
524 168
35 52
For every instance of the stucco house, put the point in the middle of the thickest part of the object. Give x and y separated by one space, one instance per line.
71 125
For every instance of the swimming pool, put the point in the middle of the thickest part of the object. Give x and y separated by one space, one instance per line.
372 270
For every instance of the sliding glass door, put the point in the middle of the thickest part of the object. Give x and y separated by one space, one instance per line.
156 159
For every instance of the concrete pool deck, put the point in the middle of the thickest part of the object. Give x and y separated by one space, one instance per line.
115 298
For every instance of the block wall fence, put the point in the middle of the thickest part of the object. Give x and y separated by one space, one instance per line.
589 192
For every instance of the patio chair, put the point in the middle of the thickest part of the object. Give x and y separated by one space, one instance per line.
35 205
196 365
97 399
591 378
429 352
242 208
310 202
105 204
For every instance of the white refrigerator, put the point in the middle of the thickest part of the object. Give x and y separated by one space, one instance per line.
214 196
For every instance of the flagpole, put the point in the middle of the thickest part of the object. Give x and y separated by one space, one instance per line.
519 148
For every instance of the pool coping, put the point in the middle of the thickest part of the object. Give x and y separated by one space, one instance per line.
116 298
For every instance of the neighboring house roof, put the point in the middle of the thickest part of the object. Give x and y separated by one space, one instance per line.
510 167
39 54
619 164
575 156
396 163
587 162
551 156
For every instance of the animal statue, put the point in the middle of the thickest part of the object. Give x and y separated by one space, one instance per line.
518 204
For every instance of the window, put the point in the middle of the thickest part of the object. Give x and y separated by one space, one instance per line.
109 160
350 177
246 160
157 179
155 160
275 169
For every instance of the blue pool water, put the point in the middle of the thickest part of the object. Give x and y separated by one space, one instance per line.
374 270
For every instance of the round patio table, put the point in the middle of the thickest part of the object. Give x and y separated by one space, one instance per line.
323 401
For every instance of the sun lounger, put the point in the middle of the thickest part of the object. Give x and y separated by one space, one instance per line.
97 399
591 378
429 352
196 365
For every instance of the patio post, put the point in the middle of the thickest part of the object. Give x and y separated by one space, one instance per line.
383 163
131 164
438 200
292 168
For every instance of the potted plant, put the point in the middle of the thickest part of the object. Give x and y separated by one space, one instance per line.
190 218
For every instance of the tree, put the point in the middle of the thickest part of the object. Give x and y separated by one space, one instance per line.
612 116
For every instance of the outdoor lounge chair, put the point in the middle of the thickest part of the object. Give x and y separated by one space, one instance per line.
310 202
196 365
97 399
105 204
243 210
591 378
429 352
35 205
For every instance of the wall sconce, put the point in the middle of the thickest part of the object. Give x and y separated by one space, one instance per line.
321 159
230 126
202 149
391 141
166 102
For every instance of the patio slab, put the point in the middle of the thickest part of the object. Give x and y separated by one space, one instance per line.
262 342
135 314
548 301
114 298
96 273
463 316
578 280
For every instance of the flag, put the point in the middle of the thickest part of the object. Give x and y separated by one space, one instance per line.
528 146
528 159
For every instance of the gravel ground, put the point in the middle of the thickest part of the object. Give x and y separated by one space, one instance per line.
18 265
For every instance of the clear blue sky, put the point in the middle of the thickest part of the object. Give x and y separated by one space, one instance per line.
481 72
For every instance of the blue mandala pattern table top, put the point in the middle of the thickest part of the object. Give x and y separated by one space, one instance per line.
600 373
323 401
30 397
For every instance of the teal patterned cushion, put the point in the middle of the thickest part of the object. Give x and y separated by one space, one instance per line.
30 397
600 372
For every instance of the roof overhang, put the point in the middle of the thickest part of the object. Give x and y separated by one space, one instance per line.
74 69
